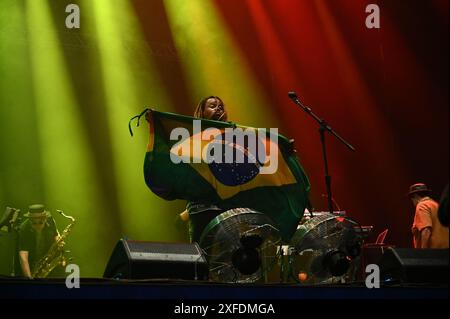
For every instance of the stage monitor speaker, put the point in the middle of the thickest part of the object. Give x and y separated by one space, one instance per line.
408 265
155 260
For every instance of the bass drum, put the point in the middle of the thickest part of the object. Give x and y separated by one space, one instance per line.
241 246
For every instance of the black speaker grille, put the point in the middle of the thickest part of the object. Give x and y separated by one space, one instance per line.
410 265
144 260
163 248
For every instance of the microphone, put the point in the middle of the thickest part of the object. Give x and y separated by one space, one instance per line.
293 96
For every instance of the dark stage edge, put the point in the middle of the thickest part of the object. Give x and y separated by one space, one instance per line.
95 288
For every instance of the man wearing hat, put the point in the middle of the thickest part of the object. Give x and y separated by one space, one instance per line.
36 235
428 232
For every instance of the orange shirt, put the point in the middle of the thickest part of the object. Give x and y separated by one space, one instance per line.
427 216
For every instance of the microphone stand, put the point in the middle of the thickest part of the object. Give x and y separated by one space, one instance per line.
323 127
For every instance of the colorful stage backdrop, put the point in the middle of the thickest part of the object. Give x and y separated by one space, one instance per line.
66 96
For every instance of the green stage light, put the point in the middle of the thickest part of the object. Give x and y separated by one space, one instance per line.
20 179
130 83
67 171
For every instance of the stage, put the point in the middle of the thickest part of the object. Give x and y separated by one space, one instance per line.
184 153
97 288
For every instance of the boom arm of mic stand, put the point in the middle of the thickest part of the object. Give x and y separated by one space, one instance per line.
324 125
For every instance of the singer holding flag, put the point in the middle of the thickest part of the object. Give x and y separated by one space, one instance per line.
217 185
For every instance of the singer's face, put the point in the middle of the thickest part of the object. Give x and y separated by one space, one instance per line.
214 110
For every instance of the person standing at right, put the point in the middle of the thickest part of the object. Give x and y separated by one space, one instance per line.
427 230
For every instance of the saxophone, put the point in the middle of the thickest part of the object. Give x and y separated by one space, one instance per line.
55 255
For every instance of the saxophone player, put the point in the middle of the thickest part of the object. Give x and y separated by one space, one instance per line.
36 235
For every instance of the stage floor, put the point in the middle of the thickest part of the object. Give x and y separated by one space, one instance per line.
97 288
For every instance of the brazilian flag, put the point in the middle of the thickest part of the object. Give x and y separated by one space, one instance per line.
189 158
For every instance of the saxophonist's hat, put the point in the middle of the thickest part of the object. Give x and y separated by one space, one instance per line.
37 211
